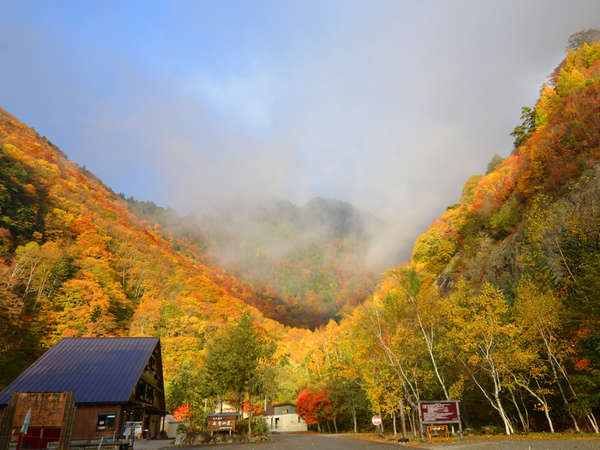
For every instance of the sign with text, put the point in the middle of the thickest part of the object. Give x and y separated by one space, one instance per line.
45 409
442 411
218 422
41 418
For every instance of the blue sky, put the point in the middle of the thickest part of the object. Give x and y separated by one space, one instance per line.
388 105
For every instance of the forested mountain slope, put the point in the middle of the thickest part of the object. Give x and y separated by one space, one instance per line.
74 261
499 305
313 257
305 264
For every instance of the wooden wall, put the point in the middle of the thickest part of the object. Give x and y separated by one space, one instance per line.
86 418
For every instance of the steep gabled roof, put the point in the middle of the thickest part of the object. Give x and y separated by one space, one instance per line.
97 370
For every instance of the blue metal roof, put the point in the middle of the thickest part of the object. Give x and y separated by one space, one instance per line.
97 370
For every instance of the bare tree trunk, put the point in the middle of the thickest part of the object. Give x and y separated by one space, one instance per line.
335 425
526 412
547 413
507 424
428 343
31 273
354 418
593 422
496 403
413 428
521 418
394 423
402 418
553 365
540 398
564 398
393 359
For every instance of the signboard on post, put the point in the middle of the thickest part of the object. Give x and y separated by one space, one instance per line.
43 409
437 412
376 420
219 422
46 416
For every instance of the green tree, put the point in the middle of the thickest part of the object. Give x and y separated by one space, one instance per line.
524 131
237 361
495 162
189 387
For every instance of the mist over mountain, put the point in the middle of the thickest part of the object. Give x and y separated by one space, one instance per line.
311 261
498 302
316 257
279 225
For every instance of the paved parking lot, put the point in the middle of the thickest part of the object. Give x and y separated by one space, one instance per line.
333 442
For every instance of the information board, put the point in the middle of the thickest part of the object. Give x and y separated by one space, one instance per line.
47 408
437 412
49 417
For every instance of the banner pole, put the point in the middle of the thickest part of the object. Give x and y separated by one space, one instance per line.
459 421
420 421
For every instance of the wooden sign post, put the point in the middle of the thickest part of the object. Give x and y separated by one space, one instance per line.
50 414
220 422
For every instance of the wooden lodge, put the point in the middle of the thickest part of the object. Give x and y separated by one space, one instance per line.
116 384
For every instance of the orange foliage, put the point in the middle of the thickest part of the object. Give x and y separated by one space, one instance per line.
182 413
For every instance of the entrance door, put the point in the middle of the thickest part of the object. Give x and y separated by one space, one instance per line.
38 437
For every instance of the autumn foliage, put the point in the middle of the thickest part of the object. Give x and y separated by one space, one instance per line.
498 306
313 406
182 413
76 261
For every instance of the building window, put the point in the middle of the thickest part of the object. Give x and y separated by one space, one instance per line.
285 411
140 391
299 419
149 394
106 421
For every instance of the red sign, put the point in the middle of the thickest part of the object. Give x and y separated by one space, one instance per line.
439 412
376 420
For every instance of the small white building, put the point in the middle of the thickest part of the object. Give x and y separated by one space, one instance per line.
170 425
282 418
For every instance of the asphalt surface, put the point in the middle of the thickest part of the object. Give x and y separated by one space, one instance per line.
580 444
333 442
313 442
287 442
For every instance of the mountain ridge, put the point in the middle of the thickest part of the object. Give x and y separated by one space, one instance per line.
76 261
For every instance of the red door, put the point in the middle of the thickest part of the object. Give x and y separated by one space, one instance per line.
39 438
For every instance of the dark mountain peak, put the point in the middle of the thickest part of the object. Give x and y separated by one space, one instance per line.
334 216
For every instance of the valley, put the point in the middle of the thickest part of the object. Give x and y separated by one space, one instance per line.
497 306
